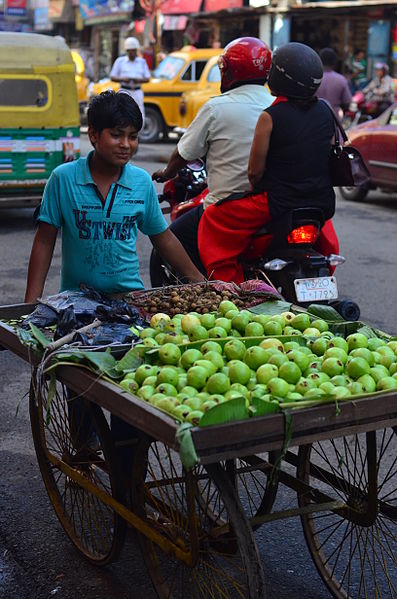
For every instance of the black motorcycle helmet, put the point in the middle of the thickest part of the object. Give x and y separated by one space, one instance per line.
296 71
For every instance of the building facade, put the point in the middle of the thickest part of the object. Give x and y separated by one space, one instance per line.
98 27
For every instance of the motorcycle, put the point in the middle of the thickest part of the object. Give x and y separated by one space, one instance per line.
362 108
281 253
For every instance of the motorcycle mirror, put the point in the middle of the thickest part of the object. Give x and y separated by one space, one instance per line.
196 165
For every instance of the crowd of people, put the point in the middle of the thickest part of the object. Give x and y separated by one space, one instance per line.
377 92
338 88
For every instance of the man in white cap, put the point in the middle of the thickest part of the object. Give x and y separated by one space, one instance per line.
131 71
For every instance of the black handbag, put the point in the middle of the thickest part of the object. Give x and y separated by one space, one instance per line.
347 167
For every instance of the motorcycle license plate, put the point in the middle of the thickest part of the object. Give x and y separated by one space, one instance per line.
316 289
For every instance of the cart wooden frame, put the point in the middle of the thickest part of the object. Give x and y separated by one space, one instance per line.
196 528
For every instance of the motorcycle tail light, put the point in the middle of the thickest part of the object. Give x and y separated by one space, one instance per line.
304 234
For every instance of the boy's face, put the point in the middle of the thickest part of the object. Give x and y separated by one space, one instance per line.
115 146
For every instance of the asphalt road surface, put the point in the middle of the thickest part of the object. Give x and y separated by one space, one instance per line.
37 561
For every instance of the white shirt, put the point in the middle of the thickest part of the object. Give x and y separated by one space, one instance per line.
130 69
223 131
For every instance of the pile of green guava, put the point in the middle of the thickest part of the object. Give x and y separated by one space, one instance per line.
195 362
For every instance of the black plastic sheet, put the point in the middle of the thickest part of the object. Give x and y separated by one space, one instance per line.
107 334
72 310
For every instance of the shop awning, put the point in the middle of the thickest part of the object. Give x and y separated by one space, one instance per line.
214 5
332 5
180 7
174 22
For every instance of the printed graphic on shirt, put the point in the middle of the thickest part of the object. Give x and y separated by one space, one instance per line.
101 229
100 254
104 258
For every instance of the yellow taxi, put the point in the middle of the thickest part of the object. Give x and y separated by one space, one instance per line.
191 101
177 73
81 82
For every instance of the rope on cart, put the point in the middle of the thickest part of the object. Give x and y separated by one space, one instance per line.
187 451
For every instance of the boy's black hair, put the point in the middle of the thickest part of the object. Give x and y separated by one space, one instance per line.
113 109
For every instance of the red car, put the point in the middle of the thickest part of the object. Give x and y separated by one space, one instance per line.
377 142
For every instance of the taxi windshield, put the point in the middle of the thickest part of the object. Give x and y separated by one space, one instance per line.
214 76
169 67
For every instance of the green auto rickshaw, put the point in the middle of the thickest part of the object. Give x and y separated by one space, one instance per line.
39 114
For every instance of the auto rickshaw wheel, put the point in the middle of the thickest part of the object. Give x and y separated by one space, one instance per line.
69 430
355 547
225 561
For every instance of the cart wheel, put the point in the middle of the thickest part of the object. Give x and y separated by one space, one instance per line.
225 564
58 434
388 496
253 479
354 548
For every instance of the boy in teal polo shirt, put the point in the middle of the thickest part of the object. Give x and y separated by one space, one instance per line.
100 202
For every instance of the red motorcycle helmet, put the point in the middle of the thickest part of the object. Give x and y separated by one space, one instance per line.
245 59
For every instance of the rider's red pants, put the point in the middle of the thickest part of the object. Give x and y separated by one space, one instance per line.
226 231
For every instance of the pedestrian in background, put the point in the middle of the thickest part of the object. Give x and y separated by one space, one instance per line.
131 71
359 73
334 87
380 89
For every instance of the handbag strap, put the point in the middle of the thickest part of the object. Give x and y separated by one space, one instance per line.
337 125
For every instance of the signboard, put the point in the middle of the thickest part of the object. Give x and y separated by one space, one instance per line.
40 20
214 5
40 16
175 7
102 11
15 8
7 24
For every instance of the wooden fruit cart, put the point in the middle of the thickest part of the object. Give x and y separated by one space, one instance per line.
196 527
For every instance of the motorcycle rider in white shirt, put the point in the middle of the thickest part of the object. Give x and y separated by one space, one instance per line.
222 131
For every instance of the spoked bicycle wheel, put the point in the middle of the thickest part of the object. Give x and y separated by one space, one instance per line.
72 439
254 480
355 547
165 495
388 492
